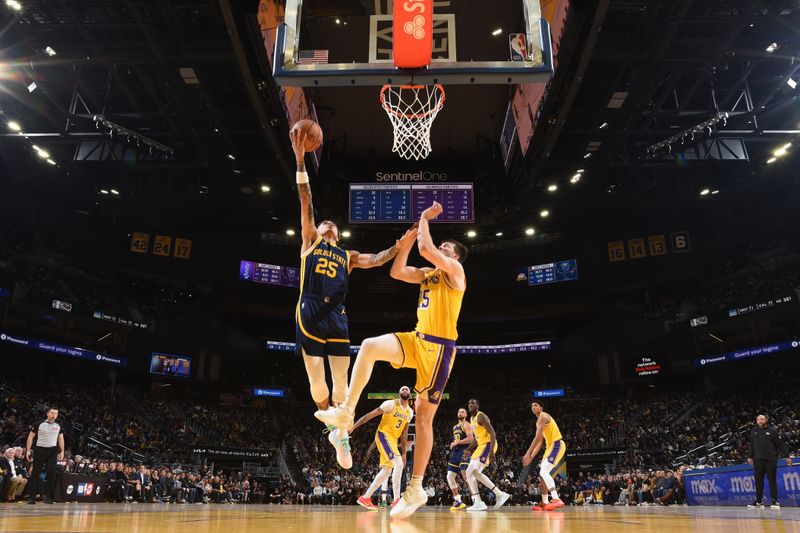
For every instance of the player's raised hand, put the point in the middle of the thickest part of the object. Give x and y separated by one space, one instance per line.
298 139
433 211
526 459
407 240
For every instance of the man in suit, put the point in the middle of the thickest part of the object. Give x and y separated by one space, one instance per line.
13 480
143 485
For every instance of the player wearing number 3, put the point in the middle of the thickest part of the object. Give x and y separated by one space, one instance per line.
430 349
321 322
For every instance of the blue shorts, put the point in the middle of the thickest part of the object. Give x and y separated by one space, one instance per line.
457 461
321 328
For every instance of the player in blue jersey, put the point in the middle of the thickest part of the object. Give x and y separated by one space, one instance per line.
321 321
459 460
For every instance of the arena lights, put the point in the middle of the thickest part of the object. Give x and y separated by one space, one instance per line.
772 47
587 156
231 157
290 232
49 51
497 32
705 192
771 160
115 129
14 4
265 188
530 231
115 192
498 234
51 162
41 153
715 191
604 125
705 127
103 191
552 188
782 151
472 234
545 213
580 171
14 126
346 234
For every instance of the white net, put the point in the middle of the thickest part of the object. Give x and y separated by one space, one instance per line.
412 110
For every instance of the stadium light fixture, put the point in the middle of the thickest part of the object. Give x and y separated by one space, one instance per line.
704 192
587 156
472 234
345 233
42 153
289 232
14 4
51 162
604 125
115 192
552 188
49 51
545 213
265 188
575 179
498 234
580 171
497 32
530 231
14 126
715 191
231 157
771 160
791 83
782 151
772 47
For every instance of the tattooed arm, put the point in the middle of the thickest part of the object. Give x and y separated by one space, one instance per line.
308 227
359 260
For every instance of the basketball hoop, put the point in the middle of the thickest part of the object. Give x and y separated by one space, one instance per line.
412 110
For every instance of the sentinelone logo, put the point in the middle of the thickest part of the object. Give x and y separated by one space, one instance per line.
422 175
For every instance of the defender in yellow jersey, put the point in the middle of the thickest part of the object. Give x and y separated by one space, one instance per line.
395 417
547 432
485 446
430 349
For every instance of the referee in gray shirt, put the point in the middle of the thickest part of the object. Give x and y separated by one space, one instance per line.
49 449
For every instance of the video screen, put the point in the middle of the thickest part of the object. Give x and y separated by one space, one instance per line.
171 365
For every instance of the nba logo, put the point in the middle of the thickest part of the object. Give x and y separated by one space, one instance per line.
81 488
518 46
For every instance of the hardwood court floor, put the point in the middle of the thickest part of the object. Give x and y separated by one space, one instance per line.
121 518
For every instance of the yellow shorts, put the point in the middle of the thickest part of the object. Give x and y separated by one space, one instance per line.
481 453
554 454
387 447
433 362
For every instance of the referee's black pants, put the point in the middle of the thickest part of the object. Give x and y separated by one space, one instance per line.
43 457
768 467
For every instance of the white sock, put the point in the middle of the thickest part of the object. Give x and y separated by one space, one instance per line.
379 479
545 499
397 478
554 494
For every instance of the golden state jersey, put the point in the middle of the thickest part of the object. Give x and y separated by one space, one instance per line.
459 434
551 432
438 307
480 432
324 271
395 421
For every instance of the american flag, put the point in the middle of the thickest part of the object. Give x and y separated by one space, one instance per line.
306 57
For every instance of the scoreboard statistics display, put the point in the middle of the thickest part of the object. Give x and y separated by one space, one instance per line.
269 274
401 203
553 272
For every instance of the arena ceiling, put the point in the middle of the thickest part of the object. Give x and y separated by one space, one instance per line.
193 77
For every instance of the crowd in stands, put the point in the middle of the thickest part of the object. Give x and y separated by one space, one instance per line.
661 435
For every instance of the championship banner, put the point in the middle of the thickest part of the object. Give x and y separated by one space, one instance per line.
736 486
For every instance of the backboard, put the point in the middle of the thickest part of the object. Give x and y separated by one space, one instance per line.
351 42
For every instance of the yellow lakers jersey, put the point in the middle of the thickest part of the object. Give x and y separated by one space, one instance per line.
481 434
551 432
438 307
395 421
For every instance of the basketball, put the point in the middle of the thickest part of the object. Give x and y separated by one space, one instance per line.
312 131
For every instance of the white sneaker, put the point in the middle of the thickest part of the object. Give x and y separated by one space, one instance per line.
413 498
341 442
477 506
337 416
502 499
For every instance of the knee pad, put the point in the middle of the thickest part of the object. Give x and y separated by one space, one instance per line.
451 480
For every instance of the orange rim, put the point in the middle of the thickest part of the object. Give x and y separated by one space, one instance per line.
394 112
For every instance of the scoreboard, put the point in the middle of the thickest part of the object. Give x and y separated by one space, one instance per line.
269 274
553 272
400 203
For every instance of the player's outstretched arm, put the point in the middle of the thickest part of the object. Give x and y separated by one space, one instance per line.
538 439
359 260
308 227
400 269
428 250
366 418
